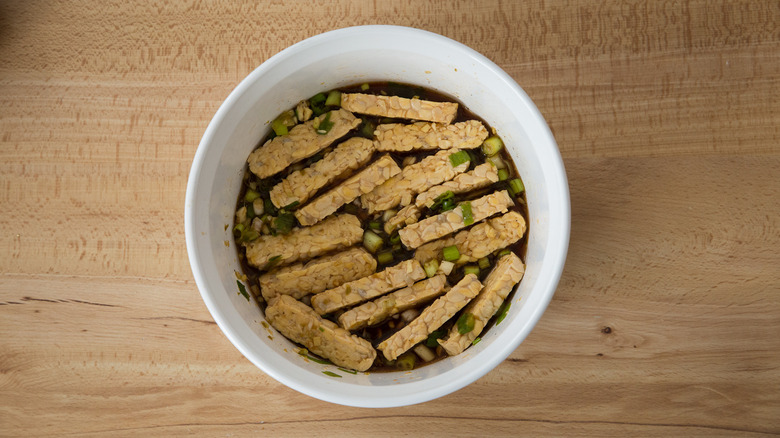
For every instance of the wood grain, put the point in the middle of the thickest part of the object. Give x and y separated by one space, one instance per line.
667 318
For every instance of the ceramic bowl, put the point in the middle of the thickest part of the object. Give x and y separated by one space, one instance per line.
332 60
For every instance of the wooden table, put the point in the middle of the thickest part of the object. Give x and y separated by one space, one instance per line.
667 318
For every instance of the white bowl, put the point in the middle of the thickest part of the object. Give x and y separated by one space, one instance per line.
335 59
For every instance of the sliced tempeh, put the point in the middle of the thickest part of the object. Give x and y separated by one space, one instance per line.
317 275
334 233
301 142
398 137
412 180
302 184
405 216
445 223
366 288
478 241
299 323
508 271
431 318
400 107
374 312
363 182
482 176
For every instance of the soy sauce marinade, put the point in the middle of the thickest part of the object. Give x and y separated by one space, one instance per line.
253 184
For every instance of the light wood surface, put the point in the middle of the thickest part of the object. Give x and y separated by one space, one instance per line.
667 318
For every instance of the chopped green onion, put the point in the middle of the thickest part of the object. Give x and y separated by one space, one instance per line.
330 373
503 174
465 323
431 266
279 127
250 211
375 225
347 370
484 263
451 253
384 257
502 312
317 103
492 145
496 161
388 214
367 129
468 217
459 158
325 125
516 187
431 341
471 269
364 87
476 340
305 353
395 238
446 267
504 252
284 223
251 195
273 261
372 241
249 235
269 207
334 98
291 205
425 353
406 361
242 290
444 202
238 230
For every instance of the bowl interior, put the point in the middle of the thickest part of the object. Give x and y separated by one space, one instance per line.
332 60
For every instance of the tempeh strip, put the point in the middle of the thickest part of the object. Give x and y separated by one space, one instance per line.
299 323
413 179
301 142
400 107
505 275
317 275
398 137
482 176
363 182
448 222
405 216
302 184
374 312
334 233
478 241
431 318
348 294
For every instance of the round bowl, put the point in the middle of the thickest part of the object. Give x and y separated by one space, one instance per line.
332 60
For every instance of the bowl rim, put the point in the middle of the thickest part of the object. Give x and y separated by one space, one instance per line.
554 159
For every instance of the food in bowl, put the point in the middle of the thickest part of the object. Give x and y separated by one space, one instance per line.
381 216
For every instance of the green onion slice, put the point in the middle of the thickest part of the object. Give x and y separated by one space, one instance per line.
284 222
459 158
492 145
430 267
242 290
516 186
468 217
471 269
503 174
435 335
465 323
502 312
384 257
451 253
484 263
330 373
325 125
334 98
251 195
